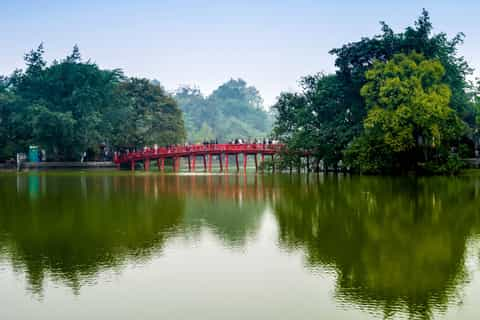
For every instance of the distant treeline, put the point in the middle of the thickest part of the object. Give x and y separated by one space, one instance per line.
71 107
233 111
398 102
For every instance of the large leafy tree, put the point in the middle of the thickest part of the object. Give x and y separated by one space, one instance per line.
234 110
197 112
314 119
150 116
331 112
409 117
65 103
354 59
72 106
9 126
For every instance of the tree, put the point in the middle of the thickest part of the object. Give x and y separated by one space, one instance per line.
314 119
196 110
354 59
152 116
75 56
65 103
8 128
409 115
330 113
205 133
70 106
234 110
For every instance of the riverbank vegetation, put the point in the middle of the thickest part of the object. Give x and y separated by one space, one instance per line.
72 106
398 102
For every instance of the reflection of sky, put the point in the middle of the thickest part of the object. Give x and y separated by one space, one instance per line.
269 43
203 266
209 281
201 281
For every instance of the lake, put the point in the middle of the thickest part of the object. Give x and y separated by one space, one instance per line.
113 245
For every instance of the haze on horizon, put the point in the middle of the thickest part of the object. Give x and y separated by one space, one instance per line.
270 44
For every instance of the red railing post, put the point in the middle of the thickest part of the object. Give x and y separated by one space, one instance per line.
146 164
177 152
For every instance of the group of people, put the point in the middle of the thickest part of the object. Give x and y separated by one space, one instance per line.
204 143
239 141
207 143
254 141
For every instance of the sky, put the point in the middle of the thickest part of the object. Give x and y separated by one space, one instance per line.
270 44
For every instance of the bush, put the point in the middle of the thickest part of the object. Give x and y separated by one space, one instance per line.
452 165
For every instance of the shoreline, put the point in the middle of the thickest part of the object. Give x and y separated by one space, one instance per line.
61 165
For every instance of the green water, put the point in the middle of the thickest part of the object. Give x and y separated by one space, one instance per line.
120 246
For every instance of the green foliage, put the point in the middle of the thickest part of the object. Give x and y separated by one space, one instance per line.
355 59
314 119
409 115
205 132
151 116
452 165
8 127
397 102
71 106
234 110
475 98
465 151
369 154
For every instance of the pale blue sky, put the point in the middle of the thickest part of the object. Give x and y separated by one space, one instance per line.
270 44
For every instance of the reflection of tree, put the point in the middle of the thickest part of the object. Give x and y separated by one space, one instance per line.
395 243
232 222
71 227
230 206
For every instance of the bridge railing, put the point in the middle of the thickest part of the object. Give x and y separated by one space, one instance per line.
196 149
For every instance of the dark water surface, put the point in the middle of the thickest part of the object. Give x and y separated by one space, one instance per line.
119 246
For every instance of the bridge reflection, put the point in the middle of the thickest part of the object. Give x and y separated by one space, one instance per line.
70 228
395 245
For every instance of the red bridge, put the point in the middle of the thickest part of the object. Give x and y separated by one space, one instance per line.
191 153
